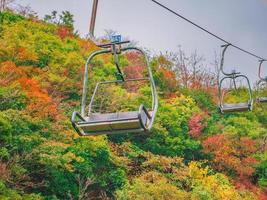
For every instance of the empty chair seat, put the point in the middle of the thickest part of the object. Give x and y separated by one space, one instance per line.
112 123
240 107
262 99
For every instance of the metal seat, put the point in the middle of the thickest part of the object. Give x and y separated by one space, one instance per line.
112 123
119 122
262 99
240 107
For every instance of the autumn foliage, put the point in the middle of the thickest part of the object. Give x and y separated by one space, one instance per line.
196 125
192 152
232 155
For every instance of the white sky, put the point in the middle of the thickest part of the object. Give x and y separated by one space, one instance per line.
242 22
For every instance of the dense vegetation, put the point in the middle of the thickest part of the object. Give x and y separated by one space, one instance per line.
193 152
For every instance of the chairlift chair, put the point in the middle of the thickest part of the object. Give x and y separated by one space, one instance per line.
262 82
87 124
233 75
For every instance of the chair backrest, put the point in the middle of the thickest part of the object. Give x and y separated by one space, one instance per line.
108 83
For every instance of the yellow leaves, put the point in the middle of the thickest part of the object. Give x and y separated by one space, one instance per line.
87 46
216 185
185 104
151 186
53 143
69 158
162 163
196 172
15 44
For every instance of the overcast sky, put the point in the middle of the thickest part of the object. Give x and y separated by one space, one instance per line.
242 22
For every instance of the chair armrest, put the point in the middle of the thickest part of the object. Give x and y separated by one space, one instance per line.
73 122
143 122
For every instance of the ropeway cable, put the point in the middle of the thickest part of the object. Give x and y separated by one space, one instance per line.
206 30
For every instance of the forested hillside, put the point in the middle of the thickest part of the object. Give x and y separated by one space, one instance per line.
193 151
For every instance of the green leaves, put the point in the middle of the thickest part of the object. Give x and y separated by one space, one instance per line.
170 134
5 129
65 18
12 97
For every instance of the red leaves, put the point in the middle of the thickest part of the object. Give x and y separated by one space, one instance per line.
231 154
135 58
196 125
64 32
248 145
136 66
134 71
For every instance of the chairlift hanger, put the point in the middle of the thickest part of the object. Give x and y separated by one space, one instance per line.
90 123
233 75
262 80
119 122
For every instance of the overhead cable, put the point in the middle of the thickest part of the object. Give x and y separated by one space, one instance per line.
206 30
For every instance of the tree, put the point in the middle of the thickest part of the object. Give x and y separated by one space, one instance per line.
26 11
191 71
4 4
64 19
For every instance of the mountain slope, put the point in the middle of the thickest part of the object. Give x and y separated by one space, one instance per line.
192 152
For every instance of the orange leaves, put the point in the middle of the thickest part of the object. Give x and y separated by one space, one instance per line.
9 72
40 104
23 54
33 88
168 77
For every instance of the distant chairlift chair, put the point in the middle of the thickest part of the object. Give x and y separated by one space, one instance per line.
87 124
238 107
261 82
